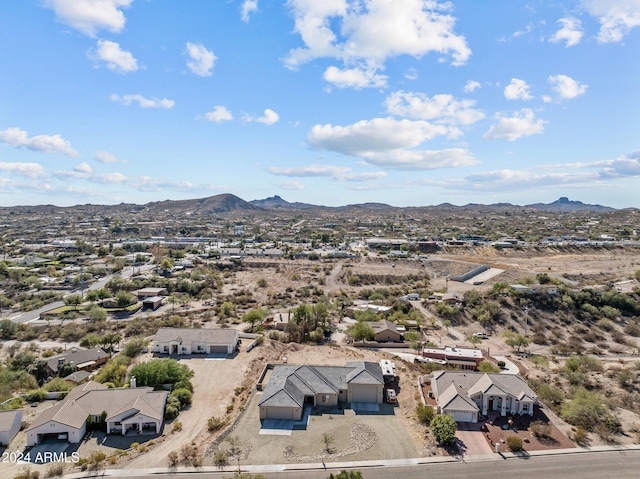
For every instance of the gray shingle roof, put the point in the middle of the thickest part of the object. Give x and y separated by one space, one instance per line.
77 356
473 383
94 398
7 418
188 335
289 384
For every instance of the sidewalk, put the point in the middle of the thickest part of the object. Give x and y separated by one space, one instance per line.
265 468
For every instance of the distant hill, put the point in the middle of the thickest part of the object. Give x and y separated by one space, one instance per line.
277 203
223 203
228 203
565 204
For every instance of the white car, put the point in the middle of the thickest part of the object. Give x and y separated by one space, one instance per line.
481 335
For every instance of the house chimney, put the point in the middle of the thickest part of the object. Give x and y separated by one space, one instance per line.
132 382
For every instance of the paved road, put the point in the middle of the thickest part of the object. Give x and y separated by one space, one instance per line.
610 464
35 314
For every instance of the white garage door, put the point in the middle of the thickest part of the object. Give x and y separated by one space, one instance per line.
280 413
461 416
364 394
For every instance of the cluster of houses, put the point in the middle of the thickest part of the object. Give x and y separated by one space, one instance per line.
466 395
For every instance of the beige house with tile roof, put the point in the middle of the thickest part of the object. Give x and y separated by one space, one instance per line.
466 395
138 410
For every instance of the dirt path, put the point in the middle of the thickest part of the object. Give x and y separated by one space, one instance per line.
214 384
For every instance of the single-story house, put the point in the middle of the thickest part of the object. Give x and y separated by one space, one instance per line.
279 320
138 409
195 341
152 302
376 308
535 289
150 292
462 358
466 395
10 422
291 388
80 359
386 331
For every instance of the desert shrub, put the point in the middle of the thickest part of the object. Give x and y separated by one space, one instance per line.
540 429
580 435
54 470
514 443
550 394
173 458
586 409
220 458
605 324
176 426
424 413
214 423
632 329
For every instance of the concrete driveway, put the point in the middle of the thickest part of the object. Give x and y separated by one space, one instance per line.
471 443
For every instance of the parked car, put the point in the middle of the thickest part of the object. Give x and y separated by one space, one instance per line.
481 335
390 396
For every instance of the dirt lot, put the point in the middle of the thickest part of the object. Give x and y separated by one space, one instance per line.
392 433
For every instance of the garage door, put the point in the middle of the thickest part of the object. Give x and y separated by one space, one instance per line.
218 349
280 413
365 394
462 416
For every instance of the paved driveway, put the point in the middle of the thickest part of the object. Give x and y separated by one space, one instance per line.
472 443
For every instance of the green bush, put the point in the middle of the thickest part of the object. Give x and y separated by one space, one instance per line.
183 395
424 413
514 443
443 428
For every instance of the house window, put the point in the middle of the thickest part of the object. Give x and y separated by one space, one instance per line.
325 398
166 349
525 407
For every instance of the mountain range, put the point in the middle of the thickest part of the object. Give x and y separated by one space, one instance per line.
228 203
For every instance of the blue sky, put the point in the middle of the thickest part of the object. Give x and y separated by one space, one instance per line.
406 102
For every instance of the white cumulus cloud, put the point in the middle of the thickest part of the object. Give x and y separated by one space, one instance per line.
117 60
42 143
248 7
106 157
616 17
443 108
201 61
219 114
90 16
566 87
143 102
522 123
570 33
354 78
29 170
269 117
366 34
517 90
389 142
471 86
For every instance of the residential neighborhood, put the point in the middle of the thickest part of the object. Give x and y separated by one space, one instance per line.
147 343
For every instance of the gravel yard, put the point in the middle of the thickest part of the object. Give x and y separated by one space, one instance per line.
354 436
